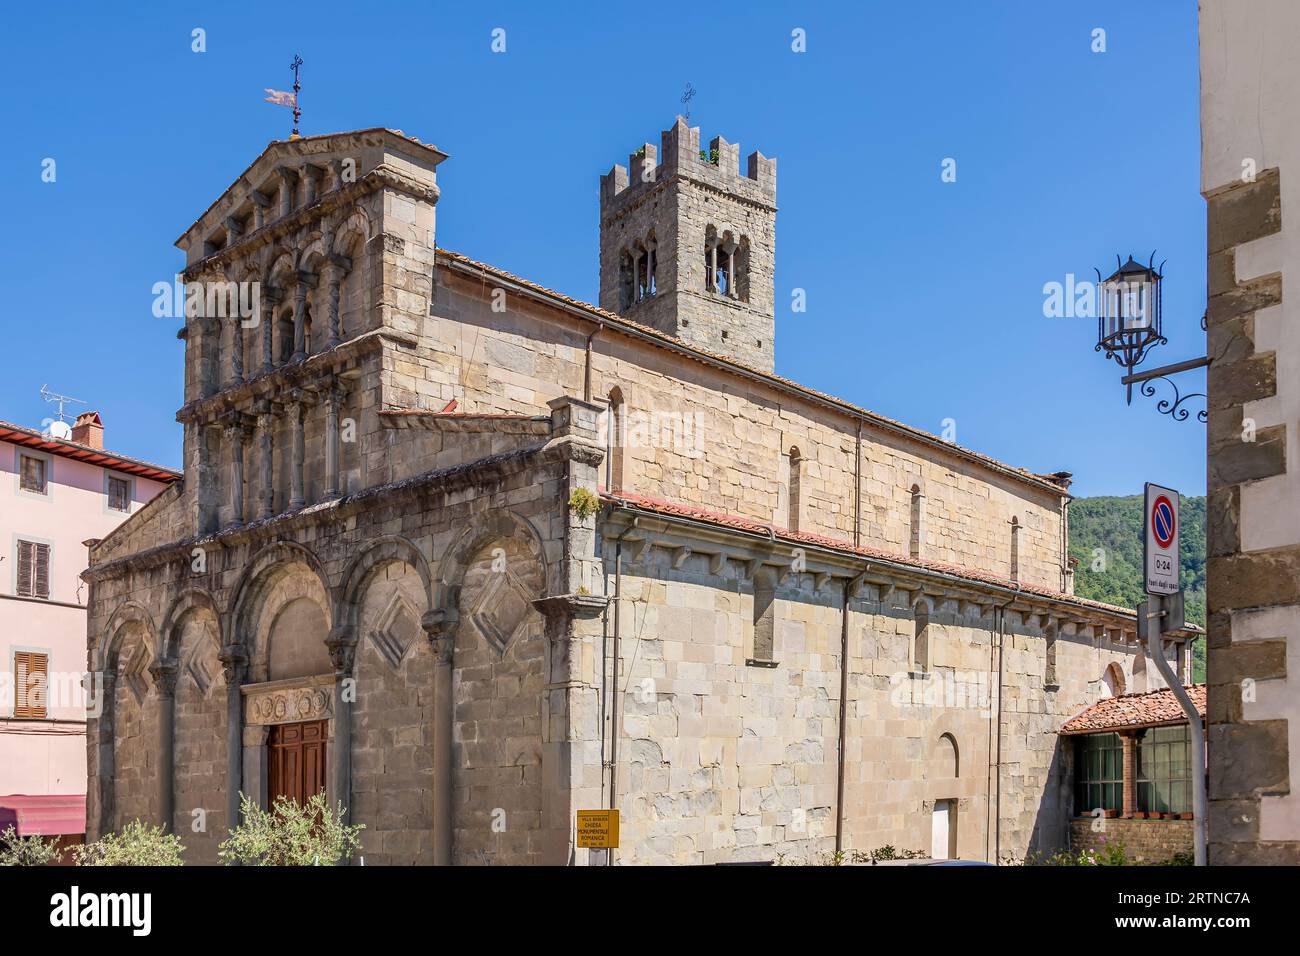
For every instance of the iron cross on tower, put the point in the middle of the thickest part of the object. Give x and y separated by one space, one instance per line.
297 110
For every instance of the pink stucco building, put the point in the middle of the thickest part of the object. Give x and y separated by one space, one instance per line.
58 493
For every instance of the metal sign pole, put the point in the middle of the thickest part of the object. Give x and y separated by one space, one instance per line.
1157 617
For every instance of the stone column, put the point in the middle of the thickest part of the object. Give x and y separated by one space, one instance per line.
260 202
333 399
235 438
286 191
649 267
1129 741
101 794
342 644
234 664
440 627
306 175
237 351
300 321
265 440
335 279
712 284
296 498
269 301
163 672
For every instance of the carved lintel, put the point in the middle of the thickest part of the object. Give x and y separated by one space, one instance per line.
289 701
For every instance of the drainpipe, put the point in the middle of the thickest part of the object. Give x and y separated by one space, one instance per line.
999 631
849 588
615 694
1155 638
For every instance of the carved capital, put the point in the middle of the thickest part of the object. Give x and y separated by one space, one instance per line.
342 646
234 662
163 672
440 626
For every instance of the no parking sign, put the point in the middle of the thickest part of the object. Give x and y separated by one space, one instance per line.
1161 540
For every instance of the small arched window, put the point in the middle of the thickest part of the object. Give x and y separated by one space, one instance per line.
1015 548
920 656
615 439
917 528
794 466
949 757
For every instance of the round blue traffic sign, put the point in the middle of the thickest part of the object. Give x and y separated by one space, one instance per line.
1163 524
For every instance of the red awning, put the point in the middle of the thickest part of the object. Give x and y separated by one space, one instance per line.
51 815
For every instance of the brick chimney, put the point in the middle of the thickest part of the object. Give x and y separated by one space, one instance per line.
88 429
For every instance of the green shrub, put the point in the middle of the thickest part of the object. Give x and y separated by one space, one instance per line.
583 503
18 850
290 835
138 844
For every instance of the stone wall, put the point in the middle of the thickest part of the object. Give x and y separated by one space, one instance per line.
723 761
1144 841
1250 159
737 437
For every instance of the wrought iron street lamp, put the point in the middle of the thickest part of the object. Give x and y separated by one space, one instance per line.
1129 325
1128 313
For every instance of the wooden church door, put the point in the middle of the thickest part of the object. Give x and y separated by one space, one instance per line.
296 761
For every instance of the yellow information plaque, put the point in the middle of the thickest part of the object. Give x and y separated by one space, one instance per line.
598 829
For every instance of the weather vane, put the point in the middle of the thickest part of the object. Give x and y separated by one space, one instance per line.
686 100
281 98
297 109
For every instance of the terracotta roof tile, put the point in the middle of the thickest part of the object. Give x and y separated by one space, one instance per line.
753 526
1130 711
66 448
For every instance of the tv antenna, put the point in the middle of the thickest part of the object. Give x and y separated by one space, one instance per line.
59 399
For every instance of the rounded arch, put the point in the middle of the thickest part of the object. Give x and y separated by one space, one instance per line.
374 556
187 600
281 263
948 755
313 250
497 525
259 574
111 640
1113 679
351 235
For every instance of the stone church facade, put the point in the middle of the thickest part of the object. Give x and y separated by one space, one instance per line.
473 555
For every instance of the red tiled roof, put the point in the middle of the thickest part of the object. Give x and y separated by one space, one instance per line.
31 438
1131 711
754 526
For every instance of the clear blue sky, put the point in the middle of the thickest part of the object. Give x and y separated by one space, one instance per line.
924 297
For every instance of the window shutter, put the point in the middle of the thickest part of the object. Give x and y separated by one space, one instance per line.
31 671
26 552
33 474
42 574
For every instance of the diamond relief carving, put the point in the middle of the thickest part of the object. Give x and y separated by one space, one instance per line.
502 610
397 630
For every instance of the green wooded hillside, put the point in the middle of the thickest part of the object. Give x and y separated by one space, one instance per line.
1106 537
